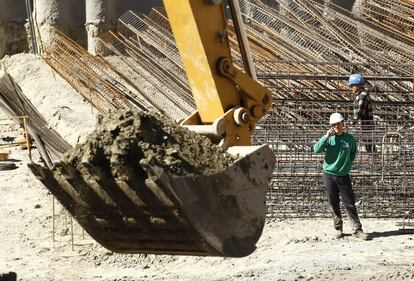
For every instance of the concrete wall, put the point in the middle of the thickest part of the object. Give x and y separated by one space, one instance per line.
143 6
68 16
13 37
82 20
346 4
12 10
356 9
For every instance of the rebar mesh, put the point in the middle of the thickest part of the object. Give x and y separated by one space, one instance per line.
303 52
327 33
394 15
146 47
383 180
92 77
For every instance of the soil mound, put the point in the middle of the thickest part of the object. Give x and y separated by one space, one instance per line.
144 138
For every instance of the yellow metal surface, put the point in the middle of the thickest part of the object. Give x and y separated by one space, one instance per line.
200 32
237 135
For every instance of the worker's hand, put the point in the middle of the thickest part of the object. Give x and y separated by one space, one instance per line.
330 132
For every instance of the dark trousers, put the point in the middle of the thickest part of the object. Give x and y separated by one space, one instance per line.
336 185
367 129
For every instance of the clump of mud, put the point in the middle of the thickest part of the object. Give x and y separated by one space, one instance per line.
130 136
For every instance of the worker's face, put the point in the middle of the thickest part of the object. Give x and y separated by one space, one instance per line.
355 88
339 127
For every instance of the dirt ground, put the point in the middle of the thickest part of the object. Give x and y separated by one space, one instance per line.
288 249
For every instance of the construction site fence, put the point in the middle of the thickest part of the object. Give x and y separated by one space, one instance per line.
382 173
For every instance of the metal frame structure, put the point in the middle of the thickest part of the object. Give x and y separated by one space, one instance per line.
393 15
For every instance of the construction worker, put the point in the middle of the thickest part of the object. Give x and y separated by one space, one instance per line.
363 111
340 150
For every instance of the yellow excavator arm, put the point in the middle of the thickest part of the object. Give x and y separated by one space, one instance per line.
131 206
229 101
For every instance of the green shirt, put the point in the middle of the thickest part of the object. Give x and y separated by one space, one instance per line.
340 152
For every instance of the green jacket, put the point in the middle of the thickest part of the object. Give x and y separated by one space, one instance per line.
340 152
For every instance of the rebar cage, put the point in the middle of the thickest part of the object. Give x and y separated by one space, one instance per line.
382 177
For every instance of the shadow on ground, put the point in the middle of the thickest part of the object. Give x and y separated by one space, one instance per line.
374 235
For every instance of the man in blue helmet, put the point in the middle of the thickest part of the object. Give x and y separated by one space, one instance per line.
363 109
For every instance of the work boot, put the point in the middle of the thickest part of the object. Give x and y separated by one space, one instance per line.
338 234
361 235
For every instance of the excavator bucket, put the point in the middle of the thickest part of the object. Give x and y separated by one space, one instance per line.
141 183
130 209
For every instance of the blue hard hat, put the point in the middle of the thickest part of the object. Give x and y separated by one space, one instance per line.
356 79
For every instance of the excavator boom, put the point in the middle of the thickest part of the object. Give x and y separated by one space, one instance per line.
221 92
